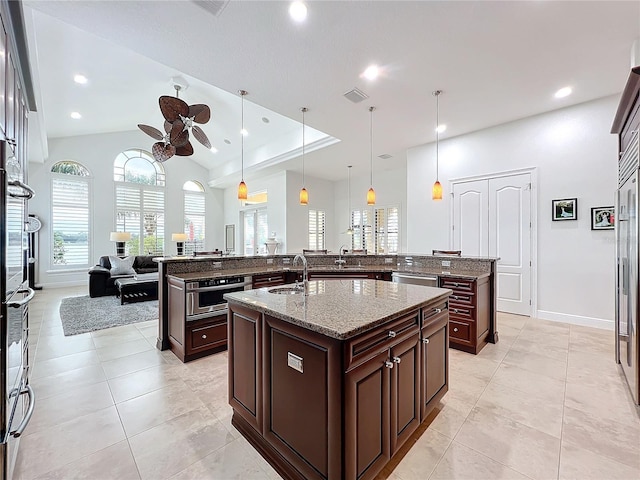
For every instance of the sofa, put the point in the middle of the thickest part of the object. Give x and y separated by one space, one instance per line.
103 276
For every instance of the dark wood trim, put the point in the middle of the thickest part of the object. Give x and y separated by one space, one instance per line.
16 34
627 101
163 308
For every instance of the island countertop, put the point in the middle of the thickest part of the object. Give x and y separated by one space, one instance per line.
341 309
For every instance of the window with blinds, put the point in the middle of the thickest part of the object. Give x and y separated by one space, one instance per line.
316 229
140 211
361 221
194 216
70 215
256 231
376 231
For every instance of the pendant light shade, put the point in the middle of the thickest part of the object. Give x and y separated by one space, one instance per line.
304 195
242 188
350 228
371 194
436 191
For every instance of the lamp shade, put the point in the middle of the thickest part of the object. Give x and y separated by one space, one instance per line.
242 191
179 237
304 196
371 196
120 236
436 193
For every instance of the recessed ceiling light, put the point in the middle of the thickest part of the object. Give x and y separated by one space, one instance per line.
265 120
227 141
371 73
244 132
213 149
563 92
298 11
441 128
76 115
81 79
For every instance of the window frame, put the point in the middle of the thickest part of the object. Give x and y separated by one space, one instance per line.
191 245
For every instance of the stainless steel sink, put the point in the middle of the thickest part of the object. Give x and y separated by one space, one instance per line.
286 290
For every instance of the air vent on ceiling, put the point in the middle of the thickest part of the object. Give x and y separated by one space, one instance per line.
385 156
214 7
355 95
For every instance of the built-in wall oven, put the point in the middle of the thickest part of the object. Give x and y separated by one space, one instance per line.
205 297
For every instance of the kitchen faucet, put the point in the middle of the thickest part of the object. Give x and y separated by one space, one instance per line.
305 276
340 262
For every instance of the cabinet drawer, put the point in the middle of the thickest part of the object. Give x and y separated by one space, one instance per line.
462 311
270 280
460 330
208 335
462 298
458 285
430 313
361 348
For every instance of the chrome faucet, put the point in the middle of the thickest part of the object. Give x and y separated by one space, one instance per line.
340 262
305 275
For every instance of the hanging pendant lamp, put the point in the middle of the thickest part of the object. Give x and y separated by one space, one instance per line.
242 188
436 191
350 228
304 195
371 194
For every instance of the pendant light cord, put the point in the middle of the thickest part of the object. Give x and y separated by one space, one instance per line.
371 109
304 109
242 93
437 94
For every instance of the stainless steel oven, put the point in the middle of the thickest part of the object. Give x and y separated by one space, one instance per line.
205 297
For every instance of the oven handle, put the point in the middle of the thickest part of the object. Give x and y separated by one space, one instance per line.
24 301
32 403
215 313
227 286
191 300
29 192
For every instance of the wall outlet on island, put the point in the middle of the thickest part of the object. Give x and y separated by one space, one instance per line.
446 263
217 264
388 260
269 261
286 261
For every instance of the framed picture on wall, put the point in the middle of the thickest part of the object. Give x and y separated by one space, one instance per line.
565 209
602 218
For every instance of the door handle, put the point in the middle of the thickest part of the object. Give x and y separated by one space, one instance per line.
388 364
397 359
32 403
25 300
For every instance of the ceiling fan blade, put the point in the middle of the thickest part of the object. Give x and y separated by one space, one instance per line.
151 131
178 135
200 113
172 108
200 136
185 150
162 152
167 126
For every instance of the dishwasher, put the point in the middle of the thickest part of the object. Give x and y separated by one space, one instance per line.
426 280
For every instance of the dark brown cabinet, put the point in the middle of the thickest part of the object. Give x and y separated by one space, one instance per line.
269 280
434 339
469 312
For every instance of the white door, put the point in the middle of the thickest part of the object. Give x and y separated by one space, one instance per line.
492 218
510 240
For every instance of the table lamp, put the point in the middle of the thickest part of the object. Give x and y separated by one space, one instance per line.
120 238
180 238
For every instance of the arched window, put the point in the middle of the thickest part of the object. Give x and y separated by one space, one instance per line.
140 182
194 216
70 215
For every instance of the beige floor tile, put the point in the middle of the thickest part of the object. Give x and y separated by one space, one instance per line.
54 447
464 387
114 462
474 366
523 345
159 406
522 448
116 336
452 415
132 363
510 320
593 369
495 352
613 440
542 386
229 462
536 363
144 381
460 462
63 382
611 402
53 347
169 448
547 338
123 349
423 457
59 365
69 405
547 326
579 464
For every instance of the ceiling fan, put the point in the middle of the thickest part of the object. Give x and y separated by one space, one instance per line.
179 120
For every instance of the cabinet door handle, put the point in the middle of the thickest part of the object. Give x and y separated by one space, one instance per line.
455 329
425 340
388 364
438 310
397 359
454 310
204 336
392 334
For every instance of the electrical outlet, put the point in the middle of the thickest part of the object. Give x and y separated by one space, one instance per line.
217 264
388 260
286 261
269 261
446 263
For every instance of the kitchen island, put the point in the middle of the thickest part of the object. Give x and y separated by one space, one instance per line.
332 383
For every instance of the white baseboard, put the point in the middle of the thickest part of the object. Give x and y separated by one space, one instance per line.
576 320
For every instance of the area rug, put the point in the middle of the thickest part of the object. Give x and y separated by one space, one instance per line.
85 314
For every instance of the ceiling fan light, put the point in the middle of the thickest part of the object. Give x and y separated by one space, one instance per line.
436 191
371 196
242 191
304 196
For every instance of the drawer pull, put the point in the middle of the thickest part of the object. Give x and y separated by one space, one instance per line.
425 340
454 310
392 334
438 310
455 329
204 336
397 359
388 364
455 297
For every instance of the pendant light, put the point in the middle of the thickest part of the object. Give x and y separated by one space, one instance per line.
304 195
350 229
371 194
436 192
242 188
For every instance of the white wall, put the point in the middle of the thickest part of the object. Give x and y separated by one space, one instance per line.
575 156
97 153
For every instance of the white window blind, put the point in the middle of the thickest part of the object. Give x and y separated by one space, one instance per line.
140 211
194 221
362 223
316 229
70 220
387 230
256 231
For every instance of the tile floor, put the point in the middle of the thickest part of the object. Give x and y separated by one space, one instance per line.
546 402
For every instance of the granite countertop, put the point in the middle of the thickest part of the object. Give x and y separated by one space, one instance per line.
418 271
340 309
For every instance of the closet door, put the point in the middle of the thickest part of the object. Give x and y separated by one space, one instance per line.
471 218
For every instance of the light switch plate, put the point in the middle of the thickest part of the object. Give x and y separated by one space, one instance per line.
294 361
217 264
446 263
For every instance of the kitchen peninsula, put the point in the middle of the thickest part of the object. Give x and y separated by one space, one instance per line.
331 384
